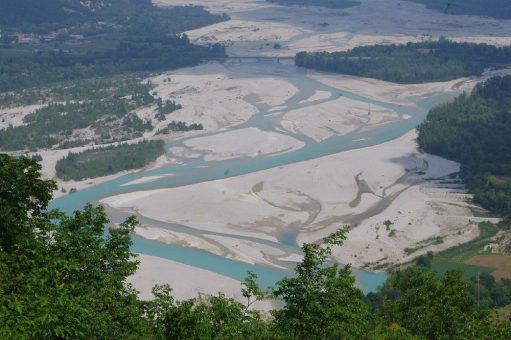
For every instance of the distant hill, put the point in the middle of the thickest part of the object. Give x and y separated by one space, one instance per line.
26 13
322 3
499 9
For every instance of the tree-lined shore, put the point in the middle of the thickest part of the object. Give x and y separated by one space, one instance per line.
412 63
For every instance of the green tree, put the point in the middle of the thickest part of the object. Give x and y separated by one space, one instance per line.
23 195
251 290
427 306
321 301
64 277
205 317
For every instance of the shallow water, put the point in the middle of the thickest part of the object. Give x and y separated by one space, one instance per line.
199 170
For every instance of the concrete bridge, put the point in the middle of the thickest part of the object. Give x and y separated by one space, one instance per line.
252 58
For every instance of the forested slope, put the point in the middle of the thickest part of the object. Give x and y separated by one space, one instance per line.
475 130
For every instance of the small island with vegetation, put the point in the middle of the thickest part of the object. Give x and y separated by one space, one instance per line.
103 161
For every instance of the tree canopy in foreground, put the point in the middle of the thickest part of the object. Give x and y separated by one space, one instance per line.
64 277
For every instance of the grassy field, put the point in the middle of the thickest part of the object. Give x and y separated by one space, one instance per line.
503 314
501 263
480 212
468 257
441 266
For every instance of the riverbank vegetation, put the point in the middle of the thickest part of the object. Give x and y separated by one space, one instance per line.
423 62
91 111
64 277
174 126
499 9
84 64
109 160
166 108
339 4
475 130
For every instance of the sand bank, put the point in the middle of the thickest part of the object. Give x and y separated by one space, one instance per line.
363 188
218 97
14 116
402 94
250 142
335 117
187 282
256 26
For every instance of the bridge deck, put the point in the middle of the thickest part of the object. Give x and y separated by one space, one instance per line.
252 58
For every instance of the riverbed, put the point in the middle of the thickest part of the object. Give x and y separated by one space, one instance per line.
189 171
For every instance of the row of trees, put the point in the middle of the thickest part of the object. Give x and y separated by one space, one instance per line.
475 130
166 108
109 160
179 126
64 277
423 62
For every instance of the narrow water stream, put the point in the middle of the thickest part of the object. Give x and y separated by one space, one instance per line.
198 170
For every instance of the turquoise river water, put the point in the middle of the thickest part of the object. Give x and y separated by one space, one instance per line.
198 170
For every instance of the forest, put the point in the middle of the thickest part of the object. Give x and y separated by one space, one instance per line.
50 15
104 161
15 13
412 63
475 130
137 38
322 3
499 9
107 114
65 277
